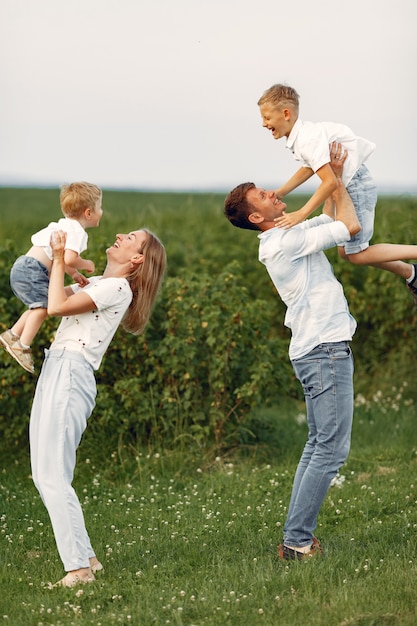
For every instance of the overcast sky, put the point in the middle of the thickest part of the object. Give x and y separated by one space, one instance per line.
162 93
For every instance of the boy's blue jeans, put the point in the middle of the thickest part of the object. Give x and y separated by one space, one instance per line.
326 374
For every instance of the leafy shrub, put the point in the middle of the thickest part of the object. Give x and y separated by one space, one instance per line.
204 362
216 348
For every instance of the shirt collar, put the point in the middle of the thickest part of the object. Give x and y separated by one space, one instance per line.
293 134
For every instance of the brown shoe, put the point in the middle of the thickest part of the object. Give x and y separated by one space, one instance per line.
285 553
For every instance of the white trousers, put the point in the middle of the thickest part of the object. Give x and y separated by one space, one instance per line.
64 400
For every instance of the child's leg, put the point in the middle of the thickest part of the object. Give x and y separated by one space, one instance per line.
388 257
384 256
342 253
29 281
32 324
17 328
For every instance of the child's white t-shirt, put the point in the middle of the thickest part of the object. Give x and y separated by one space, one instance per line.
309 143
77 237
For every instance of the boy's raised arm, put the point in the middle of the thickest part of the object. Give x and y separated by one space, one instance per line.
325 189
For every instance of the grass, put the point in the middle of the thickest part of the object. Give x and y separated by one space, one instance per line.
190 542
186 543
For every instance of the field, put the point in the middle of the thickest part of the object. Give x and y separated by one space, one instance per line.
187 532
191 544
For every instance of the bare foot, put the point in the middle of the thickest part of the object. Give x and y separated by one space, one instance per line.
95 565
76 577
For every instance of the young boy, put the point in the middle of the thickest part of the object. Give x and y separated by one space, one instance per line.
309 143
29 276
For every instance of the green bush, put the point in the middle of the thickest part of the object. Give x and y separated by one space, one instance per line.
205 361
216 348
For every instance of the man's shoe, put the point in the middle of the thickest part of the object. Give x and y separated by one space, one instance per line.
413 286
285 553
22 355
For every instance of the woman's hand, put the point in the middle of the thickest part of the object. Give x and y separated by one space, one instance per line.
57 243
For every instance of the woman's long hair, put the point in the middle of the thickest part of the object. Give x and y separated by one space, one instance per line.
145 282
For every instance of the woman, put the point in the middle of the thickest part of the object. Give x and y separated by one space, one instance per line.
66 389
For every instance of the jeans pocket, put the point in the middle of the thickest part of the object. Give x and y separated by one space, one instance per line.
309 373
340 352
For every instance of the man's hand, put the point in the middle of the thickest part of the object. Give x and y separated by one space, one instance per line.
338 156
288 220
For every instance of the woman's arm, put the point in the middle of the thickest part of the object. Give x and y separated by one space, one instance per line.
60 302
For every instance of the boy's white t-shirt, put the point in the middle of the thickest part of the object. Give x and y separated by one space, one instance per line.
77 237
90 333
309 143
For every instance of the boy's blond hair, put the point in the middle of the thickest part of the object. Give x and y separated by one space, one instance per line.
280 96
75 198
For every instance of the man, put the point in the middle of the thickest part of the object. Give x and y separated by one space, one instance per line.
321 328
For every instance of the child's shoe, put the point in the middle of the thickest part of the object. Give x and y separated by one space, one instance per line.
22 355
413 285
8 338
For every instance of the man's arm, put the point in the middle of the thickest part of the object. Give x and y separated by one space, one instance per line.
340 206
345 211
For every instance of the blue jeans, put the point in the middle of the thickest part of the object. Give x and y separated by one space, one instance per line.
326 374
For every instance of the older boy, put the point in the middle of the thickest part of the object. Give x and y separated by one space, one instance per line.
322 327
309 143
29 276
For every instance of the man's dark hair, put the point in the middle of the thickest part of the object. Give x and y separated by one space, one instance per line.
237 208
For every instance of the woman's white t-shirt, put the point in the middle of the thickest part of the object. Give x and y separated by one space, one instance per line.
90 333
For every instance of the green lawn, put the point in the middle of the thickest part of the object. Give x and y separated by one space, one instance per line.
190 544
